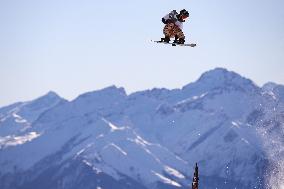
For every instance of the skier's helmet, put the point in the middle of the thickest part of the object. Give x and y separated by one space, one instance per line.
184 13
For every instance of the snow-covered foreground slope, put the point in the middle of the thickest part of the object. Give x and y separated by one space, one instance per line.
150 139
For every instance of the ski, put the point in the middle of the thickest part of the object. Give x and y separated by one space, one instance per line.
176 44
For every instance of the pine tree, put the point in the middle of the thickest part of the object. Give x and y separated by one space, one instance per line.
195 178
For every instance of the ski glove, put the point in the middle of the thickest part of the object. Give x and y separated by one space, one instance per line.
164 21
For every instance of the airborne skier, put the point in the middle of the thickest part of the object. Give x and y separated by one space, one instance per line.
174 25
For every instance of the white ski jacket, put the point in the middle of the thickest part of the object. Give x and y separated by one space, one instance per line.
173 16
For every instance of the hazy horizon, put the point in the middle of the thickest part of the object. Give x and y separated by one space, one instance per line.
127 92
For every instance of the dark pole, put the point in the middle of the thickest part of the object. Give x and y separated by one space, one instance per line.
195 178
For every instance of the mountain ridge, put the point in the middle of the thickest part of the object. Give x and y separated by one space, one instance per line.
148 138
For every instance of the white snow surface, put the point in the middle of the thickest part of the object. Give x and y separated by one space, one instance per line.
166 180
17 140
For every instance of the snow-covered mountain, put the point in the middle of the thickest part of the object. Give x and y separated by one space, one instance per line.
107 139
16 120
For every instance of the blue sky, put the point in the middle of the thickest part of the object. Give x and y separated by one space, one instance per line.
72 47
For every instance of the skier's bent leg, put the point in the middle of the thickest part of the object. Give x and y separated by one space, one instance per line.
168 30
181 37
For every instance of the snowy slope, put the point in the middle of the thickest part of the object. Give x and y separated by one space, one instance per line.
148 139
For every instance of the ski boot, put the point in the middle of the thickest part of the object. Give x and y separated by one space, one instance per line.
165 39
180 41
176 39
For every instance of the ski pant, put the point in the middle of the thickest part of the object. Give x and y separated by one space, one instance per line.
171 30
